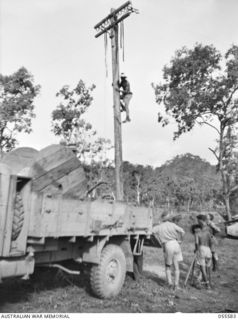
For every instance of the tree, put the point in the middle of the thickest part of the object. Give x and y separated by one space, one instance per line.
17 94
67 118
68 123
198 90
99 164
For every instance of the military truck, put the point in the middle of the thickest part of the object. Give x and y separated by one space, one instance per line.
47 218
231 227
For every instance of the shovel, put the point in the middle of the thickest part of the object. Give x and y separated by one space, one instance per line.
191 268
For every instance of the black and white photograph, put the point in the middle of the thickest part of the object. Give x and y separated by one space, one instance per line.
118 158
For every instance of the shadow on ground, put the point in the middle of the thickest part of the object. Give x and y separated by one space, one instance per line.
43 280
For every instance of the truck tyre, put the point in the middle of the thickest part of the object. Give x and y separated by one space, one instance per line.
107 278
18 217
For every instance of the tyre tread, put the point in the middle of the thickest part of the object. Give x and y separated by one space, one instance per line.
18 217
96 273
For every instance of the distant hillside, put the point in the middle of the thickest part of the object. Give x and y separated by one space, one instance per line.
189 165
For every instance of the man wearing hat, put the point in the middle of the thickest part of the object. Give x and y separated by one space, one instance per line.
170 235
125 95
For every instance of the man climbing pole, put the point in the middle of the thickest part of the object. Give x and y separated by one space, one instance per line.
112 26
125 96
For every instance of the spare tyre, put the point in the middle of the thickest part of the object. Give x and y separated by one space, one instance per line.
18 217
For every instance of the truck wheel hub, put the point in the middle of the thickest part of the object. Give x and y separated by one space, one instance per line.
112 270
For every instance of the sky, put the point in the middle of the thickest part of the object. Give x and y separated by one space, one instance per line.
55 41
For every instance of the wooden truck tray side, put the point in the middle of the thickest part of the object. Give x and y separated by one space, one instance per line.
59 216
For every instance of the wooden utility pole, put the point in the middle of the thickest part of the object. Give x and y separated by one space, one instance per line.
116 111
110 24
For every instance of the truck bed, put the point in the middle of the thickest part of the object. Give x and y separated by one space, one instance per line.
58 216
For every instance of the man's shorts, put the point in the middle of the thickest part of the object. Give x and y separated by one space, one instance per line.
204 256
126 99
172 252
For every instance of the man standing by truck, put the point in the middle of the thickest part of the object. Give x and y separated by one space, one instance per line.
203 245
170 236
214 229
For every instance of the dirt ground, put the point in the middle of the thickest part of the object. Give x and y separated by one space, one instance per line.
52 291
